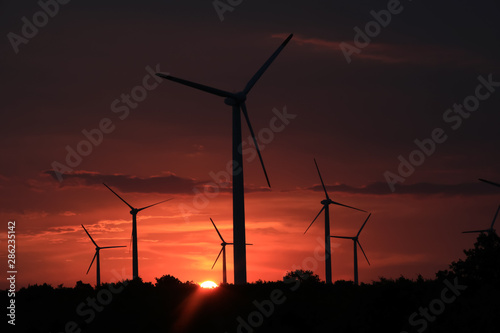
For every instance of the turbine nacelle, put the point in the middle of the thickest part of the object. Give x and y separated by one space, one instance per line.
236 99
134 211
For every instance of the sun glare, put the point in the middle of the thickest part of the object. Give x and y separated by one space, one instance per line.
208 284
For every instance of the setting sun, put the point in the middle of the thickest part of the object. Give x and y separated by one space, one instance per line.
208 284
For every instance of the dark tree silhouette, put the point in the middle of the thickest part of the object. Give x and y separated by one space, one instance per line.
83 286
167 281
482 264
302 276
299 303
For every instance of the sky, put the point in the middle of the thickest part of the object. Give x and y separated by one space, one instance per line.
401 115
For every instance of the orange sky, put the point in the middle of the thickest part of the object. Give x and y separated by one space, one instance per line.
419 237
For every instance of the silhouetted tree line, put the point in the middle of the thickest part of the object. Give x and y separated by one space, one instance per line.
465 298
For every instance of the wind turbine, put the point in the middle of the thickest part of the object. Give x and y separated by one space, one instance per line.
237 102
134 211
489 182
96 255
223 251
326 203
490 230
356 243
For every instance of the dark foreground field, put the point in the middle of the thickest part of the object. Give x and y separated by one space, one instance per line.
464 299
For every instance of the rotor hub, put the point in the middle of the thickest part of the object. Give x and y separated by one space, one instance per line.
236 99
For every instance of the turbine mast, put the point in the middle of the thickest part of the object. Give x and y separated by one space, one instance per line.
355 241
224 275
328 251
135 255
98 268
240 257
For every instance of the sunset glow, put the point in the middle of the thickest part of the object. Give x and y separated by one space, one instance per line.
208 284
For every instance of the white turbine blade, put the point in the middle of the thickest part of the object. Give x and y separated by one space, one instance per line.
363 252
109 188
154 204
314 219
245 113
217 257
222 239
363 225
264 67
489 182
95 255
195 85
89 236
321 178
494 219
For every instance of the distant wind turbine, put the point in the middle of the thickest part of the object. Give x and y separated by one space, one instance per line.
356 243
490 230
326 203
489 182
134 211
237 102
96 255
223 251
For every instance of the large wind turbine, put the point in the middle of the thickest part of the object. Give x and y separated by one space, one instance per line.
490 230
96 255
356 243
134 211
326 203
489 182
237 102
223 251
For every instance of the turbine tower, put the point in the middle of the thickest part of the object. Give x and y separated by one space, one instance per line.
237 102
96 255
490 230
489 182
326 203
356 243
223 251
134 211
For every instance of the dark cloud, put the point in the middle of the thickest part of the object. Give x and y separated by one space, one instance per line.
381 188
166 183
